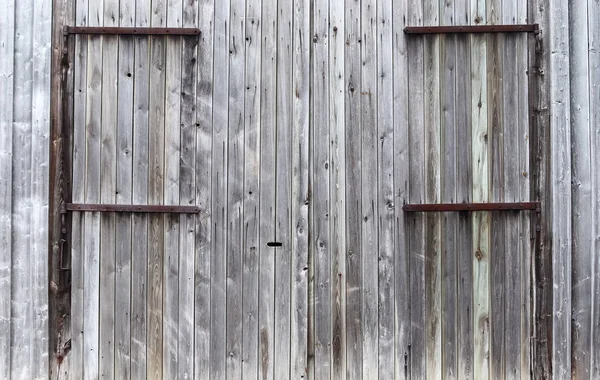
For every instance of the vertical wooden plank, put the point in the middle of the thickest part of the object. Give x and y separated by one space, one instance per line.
401 142
385 198
235 188
219 191
433 281
156 187
299 233
251 223
140 191
449 182
337 186
7 42
204 224
172 146
268 121
480 188
124 195
283 200
187 192
561 180
416 191
21 284
352 65
320 190
91 264
583 215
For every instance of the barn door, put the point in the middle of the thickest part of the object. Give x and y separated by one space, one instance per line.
469 210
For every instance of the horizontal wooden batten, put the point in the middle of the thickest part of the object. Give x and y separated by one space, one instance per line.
132 31
154 209
523 28
471 207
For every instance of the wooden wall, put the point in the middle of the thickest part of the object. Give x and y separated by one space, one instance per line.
24 177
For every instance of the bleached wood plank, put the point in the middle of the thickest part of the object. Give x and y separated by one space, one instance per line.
416 191
235 189
449 151
283 201
7 33
172 155
560 173
108 188
140 174
401 185
204 225
300 191
433 281
219 191
385 197
124 193
252 161
583 242
187 192
337 186
320 234
268 120
353 288
156 188
481 221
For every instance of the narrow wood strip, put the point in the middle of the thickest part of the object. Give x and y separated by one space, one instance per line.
140 208
524 28
489 206
136 30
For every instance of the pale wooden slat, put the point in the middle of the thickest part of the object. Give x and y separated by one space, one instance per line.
560 183
385 197
283 201
300 192
583 242
268 120
219 191
234 216
433 280
124 188
337 187
353 288
401 184
187 190
416 191
251 223
320 188
481 221
7 33
204 225
449 184
171 251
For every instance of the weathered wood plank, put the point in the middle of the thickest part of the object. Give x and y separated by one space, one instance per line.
320 232
300 180
235 189
480 188
385 196
449 183
172 154
187 195
7 43
416 191
251 223
352 65
124 193
204 226
268 121
219 191
561 188
433 280
337 187
401 184
283 196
